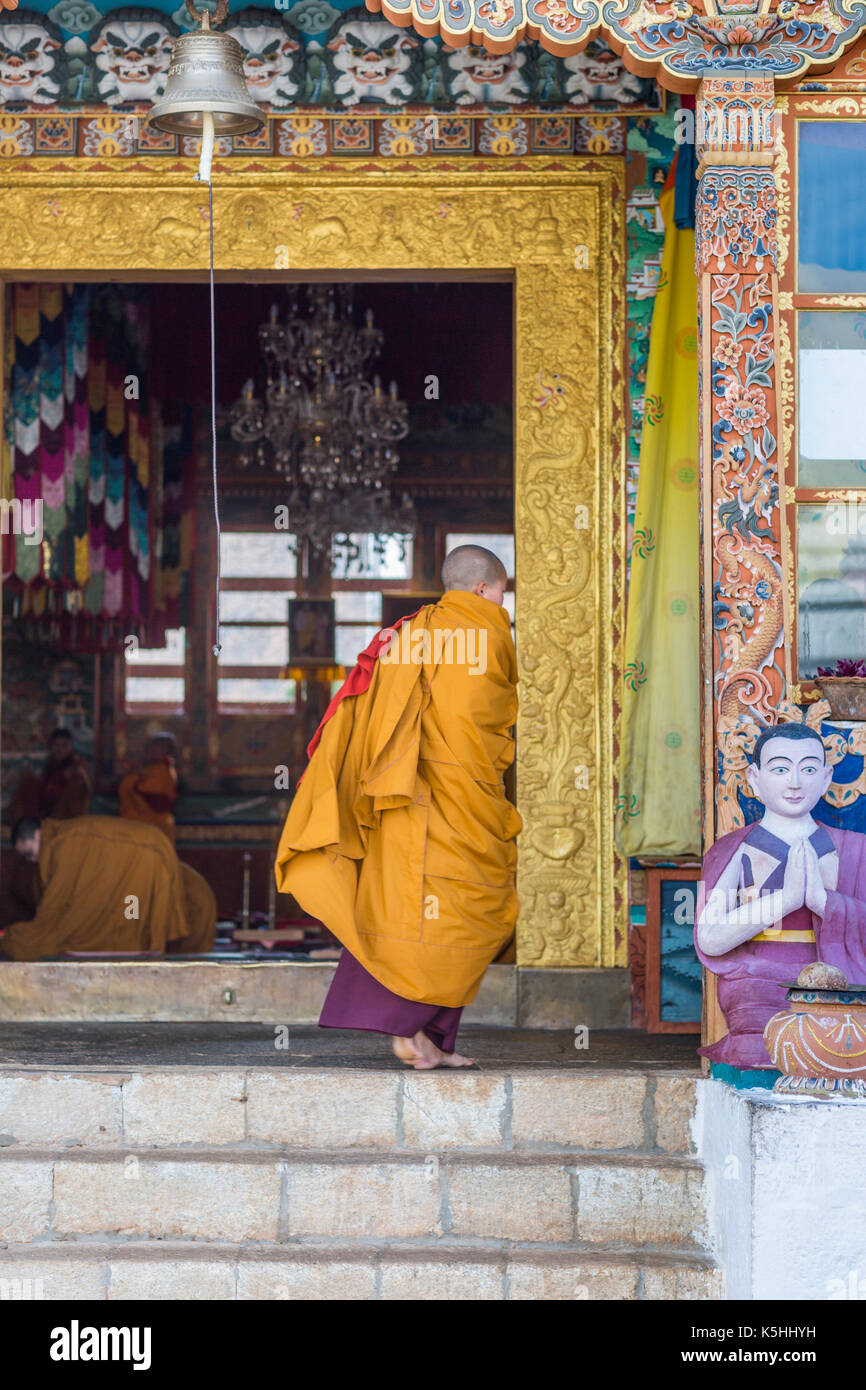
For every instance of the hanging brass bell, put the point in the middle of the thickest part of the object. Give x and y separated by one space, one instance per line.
206 74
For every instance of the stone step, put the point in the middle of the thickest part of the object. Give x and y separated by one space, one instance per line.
284 992
252 1195
181 1270
545 1110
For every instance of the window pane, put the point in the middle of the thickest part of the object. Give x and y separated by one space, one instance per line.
156 690
363 559
831 573
354 608
249 554
254 607
254 646
830 212
232 691
500 543
832 387
352 640
172 654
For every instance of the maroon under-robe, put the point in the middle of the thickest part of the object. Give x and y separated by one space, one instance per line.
357 1000
753 977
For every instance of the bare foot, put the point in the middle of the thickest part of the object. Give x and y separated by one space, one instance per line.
404 1048
426 1055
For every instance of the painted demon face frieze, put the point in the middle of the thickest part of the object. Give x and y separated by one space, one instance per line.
133 50
273 55
599 74
472 75
369 59
32 66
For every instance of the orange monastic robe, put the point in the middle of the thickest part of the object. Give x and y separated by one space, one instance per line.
111 885
60 792
200 907
150 795
400 837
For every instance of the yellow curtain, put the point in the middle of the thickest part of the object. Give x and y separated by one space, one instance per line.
659 805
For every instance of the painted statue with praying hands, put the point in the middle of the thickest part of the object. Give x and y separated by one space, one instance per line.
779 893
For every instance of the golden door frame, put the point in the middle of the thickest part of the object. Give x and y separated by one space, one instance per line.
555 229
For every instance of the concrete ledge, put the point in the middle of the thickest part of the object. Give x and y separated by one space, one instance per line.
786 1198
283 992
573 998
163 991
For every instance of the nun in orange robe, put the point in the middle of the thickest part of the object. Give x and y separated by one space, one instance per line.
150 795
400 837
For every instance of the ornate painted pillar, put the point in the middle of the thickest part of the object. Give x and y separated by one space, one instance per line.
745 665
745 660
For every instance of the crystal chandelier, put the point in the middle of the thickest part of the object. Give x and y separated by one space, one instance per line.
326 427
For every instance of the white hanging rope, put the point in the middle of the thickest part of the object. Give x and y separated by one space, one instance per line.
204 175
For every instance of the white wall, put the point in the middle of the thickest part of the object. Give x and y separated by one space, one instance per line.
786 1186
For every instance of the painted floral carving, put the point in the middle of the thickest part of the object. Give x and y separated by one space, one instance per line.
746 410
727 351
736 218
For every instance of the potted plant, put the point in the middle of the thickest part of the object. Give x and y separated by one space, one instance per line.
844 688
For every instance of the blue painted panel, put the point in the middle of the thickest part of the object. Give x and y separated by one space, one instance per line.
680 969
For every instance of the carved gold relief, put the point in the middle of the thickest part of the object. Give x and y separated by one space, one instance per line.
558 234
782 174
833 106
843 301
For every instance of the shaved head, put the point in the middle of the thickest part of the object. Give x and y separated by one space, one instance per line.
475 569
160 746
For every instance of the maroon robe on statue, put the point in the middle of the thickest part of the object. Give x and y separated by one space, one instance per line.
753 977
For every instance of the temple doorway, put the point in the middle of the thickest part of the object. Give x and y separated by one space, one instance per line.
110 611
555 232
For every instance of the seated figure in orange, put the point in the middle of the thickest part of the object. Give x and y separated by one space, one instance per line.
108 886
149 795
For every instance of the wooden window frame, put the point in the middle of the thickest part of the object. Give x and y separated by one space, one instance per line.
792 302
655 877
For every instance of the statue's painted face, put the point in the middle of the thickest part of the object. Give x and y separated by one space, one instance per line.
792 777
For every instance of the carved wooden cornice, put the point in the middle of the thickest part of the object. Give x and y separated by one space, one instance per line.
674 41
